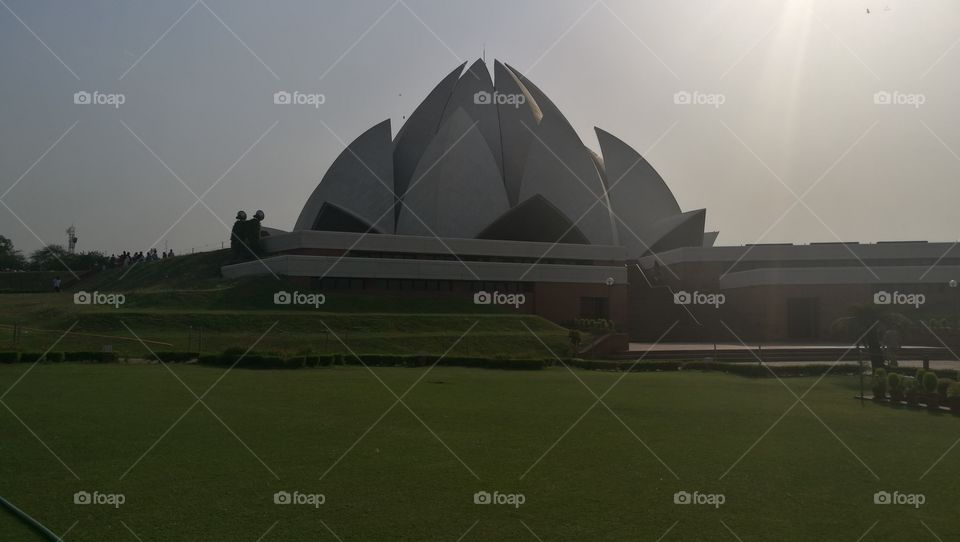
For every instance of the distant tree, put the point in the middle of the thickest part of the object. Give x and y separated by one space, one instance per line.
574 337
56 258
10 257
48 258
867 324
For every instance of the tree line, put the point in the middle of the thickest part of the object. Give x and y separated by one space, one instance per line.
48 258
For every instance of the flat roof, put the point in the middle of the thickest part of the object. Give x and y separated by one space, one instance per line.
296 265
311 239
853 252
859 274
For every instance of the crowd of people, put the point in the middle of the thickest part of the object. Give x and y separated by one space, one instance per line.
126 258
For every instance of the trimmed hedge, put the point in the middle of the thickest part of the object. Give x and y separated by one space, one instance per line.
92 357
33 357
177 357
743 369
951 374
255 360
9 357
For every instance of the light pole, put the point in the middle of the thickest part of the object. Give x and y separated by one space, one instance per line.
610 281
956 302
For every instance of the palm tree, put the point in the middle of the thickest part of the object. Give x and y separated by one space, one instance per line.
867 324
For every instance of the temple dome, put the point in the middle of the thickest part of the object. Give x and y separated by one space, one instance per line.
496 159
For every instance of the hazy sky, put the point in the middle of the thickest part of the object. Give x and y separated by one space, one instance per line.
797 79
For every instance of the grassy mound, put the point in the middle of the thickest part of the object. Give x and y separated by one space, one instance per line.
184 304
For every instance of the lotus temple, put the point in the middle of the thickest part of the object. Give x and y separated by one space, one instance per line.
488 188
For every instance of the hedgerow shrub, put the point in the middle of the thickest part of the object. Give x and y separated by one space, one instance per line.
953 390
176 357
209 359
942 385
9 357
94 357
930 382
879 384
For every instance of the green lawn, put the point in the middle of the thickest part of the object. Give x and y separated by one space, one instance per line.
169 301
800 482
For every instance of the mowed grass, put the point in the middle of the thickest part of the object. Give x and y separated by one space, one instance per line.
171 304
179 324
390 472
